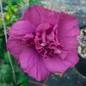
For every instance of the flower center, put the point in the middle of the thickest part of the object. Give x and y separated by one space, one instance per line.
46 42
42 44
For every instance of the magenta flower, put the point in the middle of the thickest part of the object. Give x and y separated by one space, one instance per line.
44 42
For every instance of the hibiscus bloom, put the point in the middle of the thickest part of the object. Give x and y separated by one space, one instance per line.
44 42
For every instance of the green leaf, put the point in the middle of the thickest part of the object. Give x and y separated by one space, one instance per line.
12 2
6 59
35 2
7 8
14 84
25 83
15 10
3 2
1 24
17 69
5 73
1 49
8 23
1 42
1 33
15 19
4 84
15 2
21 78
10 12
22 2
7 16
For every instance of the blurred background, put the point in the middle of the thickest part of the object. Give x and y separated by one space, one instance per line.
12 11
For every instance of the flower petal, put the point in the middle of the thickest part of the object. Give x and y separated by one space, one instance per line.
14 47
22 28
69 43
73 57
57 65
33 64
38 14
68 25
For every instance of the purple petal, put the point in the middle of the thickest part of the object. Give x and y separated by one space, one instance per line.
68 26
69 43
38 14
57 65
14 47
33 64
73 57
22 28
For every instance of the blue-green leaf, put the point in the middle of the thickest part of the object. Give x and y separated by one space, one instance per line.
35 2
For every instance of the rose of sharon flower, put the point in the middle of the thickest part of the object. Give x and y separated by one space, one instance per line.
44 42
